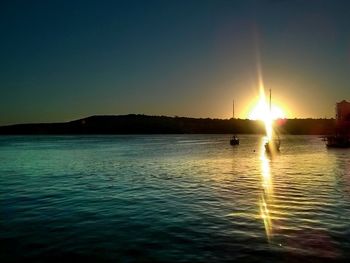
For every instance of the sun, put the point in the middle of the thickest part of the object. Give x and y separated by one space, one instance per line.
262 111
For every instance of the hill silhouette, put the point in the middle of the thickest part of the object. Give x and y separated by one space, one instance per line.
144 124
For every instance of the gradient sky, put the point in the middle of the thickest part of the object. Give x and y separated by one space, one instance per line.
63 60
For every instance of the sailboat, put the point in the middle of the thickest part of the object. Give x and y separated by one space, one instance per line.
338 141
234 139
274 143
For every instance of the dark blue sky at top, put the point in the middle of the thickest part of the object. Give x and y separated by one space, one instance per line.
62 60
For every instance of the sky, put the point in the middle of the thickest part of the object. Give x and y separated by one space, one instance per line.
64 60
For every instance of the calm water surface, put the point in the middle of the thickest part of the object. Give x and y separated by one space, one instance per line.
172 198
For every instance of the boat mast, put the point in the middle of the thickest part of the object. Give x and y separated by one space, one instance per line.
270 101
233 109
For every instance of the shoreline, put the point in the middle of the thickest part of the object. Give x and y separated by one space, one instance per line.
145 124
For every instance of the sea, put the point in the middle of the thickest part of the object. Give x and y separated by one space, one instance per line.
172 198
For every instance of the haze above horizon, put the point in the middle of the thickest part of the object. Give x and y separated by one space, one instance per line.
62 60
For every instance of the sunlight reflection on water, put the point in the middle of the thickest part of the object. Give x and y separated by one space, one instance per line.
302 239
266 198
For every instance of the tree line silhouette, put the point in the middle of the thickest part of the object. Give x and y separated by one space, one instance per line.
144 124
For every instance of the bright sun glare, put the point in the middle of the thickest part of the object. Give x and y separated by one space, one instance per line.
262 111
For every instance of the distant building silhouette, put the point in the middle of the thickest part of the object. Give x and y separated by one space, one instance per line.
343 111
343 117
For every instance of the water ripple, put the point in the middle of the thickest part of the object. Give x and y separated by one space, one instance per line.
167 198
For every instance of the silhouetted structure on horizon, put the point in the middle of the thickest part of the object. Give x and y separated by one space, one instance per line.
343 111
341 136
343 117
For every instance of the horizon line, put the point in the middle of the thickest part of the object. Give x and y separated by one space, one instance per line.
167 116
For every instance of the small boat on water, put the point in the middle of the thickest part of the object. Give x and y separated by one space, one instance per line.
338 141
234 140
273 145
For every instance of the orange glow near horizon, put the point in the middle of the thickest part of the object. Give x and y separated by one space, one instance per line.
262 111
258 108
263 108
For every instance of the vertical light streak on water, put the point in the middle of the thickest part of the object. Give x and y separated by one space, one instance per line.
266 197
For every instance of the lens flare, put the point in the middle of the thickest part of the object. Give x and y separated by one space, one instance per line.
262 111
